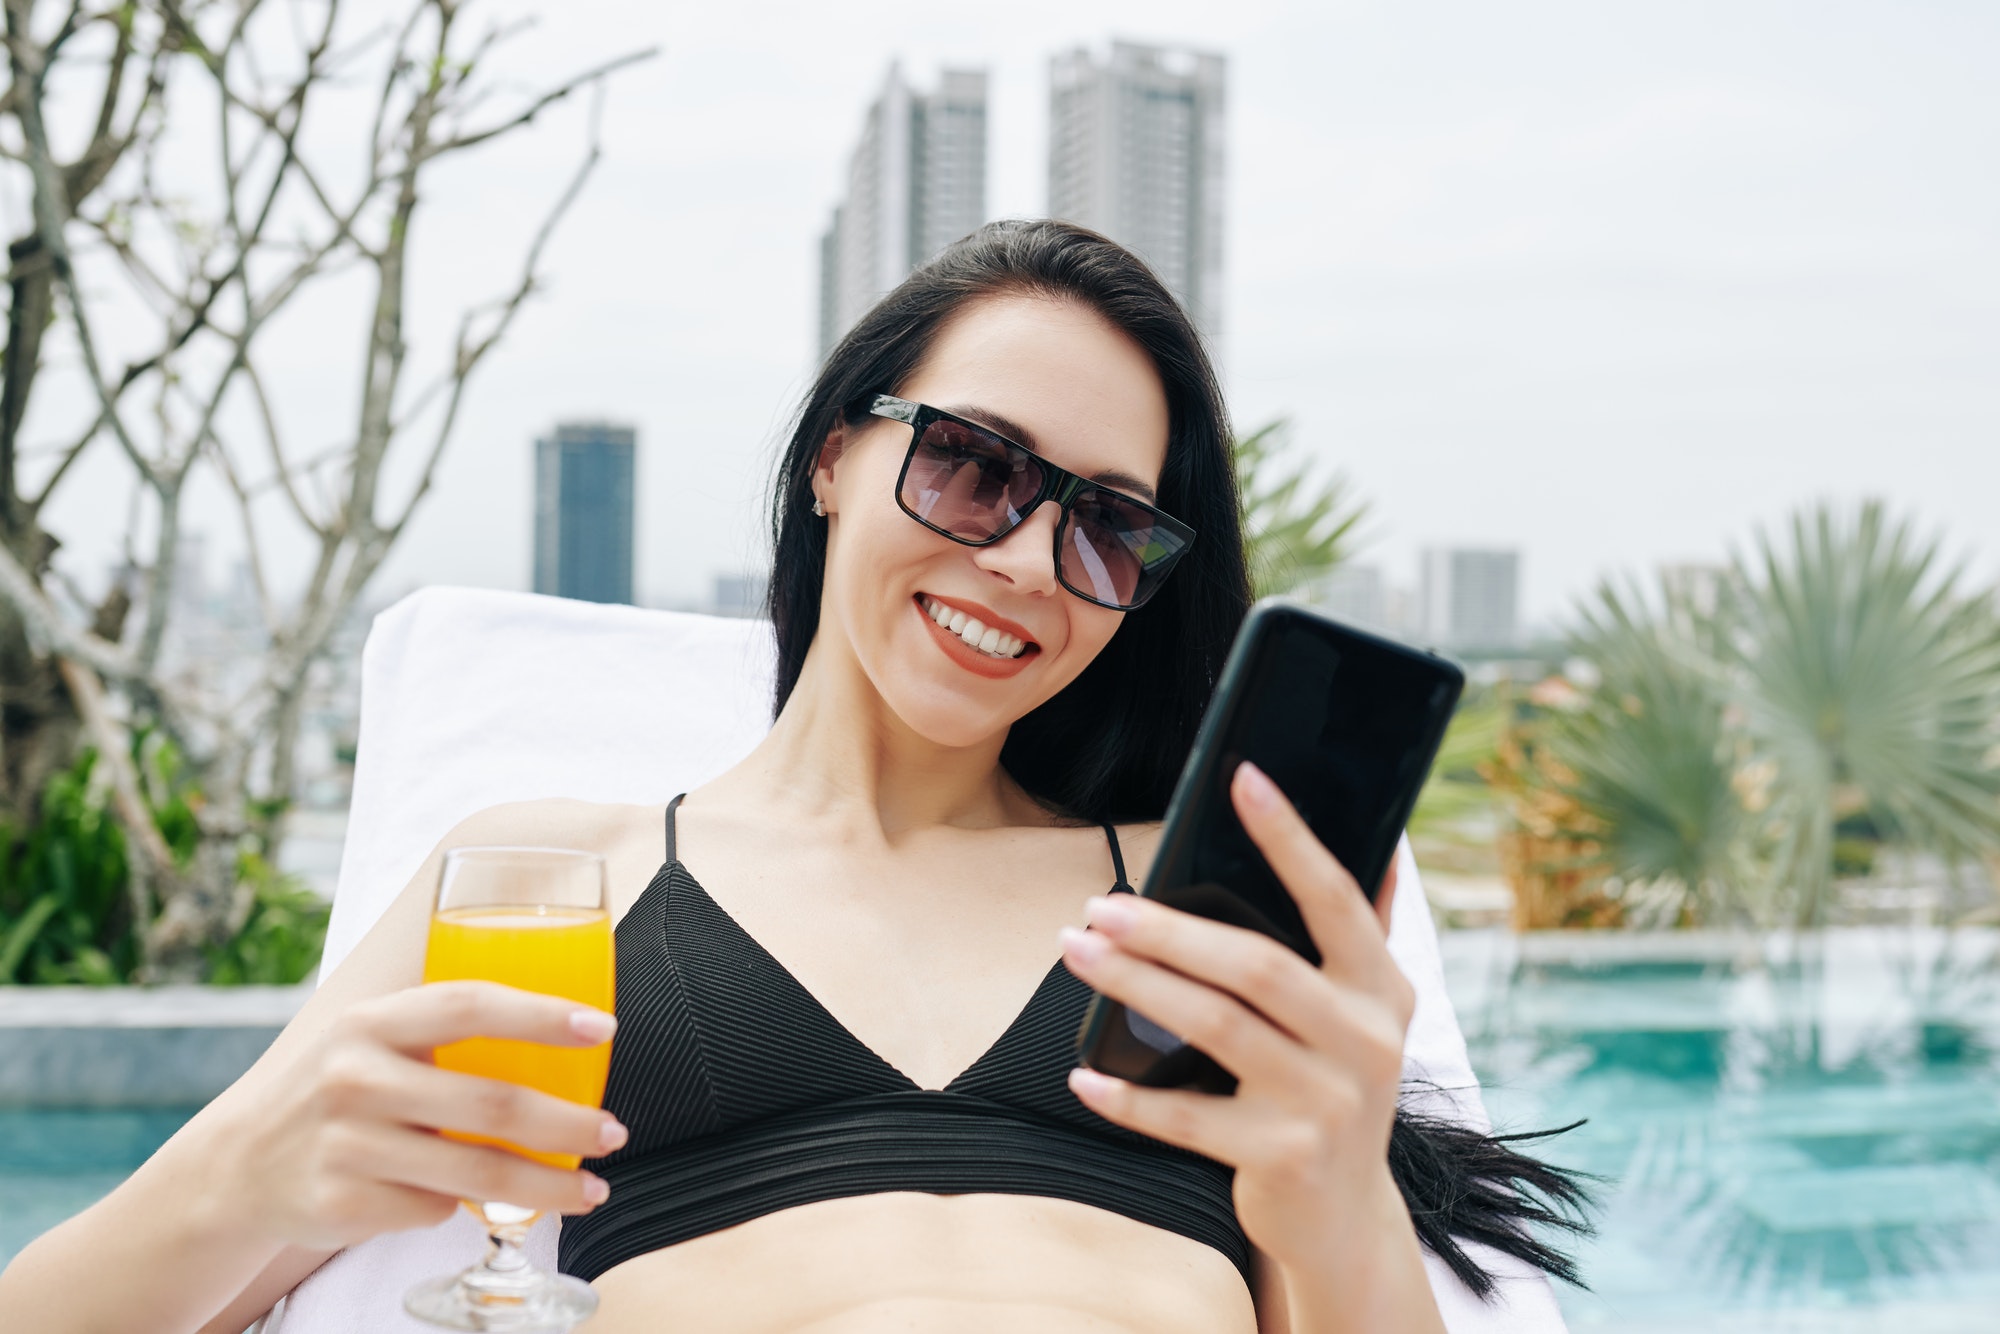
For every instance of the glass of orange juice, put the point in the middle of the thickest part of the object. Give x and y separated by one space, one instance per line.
537 919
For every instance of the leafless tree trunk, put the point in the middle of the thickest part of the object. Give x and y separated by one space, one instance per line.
214 273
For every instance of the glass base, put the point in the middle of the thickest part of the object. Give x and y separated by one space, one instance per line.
547 1304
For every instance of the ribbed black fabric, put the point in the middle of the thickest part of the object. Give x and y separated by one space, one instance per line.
744 1096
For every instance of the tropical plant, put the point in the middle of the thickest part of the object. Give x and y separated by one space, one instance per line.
1871 681
1728 756
1652 762
1297 530
65 914
69 913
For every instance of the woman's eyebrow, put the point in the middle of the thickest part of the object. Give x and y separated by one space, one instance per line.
1020 435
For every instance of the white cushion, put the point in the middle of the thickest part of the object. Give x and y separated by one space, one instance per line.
470 698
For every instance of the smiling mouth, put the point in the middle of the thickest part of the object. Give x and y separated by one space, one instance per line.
982 638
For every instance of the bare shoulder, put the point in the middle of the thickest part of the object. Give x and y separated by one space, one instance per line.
554 822
1139 842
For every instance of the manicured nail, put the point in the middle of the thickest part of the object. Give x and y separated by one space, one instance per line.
1088 1084
596 1190
1113 914
611 1135
1082 946
1258 789
592 1025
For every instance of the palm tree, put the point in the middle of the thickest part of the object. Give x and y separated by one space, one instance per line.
1872 681
1840 677
1653 764
1297 530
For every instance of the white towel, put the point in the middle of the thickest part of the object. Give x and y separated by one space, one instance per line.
471 698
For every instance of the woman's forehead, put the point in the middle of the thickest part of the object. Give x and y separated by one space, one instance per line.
1081 391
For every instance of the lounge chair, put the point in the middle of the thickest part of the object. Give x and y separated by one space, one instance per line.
471 698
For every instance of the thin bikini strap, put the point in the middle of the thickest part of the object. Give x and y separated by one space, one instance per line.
1117 859
670 825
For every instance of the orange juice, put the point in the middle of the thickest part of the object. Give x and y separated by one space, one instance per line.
557 951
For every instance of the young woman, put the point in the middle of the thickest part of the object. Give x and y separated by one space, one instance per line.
1008 566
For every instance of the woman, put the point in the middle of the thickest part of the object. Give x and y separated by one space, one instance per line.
878 1131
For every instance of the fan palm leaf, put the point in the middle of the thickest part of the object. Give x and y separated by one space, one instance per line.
1651 756
1873 683
1297 529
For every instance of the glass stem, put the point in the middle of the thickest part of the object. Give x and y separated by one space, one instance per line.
504 1278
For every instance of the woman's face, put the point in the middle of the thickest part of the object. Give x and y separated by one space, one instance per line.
1048 374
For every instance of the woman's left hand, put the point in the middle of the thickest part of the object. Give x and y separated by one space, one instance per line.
1317 1052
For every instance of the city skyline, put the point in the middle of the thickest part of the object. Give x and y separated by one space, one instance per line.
1576 281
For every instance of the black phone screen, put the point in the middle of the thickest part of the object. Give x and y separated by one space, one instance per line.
1346 725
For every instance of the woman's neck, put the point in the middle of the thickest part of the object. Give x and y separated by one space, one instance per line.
837 751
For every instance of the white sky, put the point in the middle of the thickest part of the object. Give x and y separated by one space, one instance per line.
1613 284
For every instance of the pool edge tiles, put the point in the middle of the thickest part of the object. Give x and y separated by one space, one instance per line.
134 1046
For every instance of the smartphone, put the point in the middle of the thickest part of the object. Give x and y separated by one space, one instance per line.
1347 725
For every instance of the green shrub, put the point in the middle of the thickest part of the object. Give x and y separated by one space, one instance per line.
282 939
67 911
65 916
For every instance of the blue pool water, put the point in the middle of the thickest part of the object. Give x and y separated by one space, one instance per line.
56 1163
1794 1137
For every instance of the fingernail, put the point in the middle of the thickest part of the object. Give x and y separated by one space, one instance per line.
611 1135
1114 915
592 1025
596 1190
1081 946
1258 789
1088 1084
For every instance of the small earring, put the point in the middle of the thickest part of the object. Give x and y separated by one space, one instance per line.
819 507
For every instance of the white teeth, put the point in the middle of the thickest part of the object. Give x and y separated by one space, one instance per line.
982 637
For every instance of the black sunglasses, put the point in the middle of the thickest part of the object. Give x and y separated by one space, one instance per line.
974 486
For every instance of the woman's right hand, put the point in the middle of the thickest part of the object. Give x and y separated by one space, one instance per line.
342 1142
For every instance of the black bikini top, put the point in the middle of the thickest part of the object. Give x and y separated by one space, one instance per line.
744 1096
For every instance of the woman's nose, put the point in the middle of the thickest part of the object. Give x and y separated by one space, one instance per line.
1025 557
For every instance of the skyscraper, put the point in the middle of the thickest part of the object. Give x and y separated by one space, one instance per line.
1471 597
583 512
916 182
1136 152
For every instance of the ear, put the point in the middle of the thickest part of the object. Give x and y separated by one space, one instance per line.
830 451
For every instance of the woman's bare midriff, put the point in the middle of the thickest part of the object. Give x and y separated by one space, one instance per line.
919 1263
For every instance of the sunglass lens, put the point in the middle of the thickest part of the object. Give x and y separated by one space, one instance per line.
1114 551
967 483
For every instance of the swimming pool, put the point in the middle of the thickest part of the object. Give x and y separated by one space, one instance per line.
1800 1134
56 1163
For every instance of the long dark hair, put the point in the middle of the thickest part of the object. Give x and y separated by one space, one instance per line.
1110 745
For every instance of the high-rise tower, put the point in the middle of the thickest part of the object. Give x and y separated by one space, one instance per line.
583 512
1136 152
915 183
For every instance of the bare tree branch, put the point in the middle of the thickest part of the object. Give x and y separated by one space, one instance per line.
247 516
470 353
542 103
210 277
280 469
51 632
